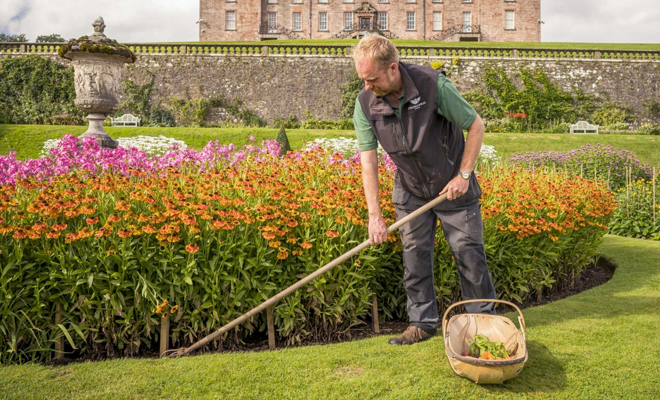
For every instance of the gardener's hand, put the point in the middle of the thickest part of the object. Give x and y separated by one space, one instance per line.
456 188
377 229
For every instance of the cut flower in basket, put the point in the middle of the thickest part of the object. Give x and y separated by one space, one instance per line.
483 348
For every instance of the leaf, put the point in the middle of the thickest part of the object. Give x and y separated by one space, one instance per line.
188 280
68 337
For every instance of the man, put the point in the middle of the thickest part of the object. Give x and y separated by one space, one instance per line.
416 114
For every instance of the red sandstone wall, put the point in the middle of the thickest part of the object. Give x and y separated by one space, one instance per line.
250 14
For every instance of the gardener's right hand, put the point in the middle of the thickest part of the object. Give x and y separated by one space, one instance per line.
377 229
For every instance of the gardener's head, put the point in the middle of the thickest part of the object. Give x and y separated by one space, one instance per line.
376 62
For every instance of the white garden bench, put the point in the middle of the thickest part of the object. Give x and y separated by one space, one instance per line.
584 127
125 120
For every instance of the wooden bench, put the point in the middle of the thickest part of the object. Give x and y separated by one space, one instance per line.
125 120
584 127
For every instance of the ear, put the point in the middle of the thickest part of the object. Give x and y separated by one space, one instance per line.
393 68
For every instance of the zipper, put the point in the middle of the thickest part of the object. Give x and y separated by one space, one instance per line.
415 164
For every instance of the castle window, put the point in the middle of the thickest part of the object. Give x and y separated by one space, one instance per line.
297 1
382 21
348 21
323 21
383 1
272 1
509 20
323 1
272 22
410 20
437 20
297 21
230 21
467 22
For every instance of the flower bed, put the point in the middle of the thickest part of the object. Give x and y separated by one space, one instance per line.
105 239
599 162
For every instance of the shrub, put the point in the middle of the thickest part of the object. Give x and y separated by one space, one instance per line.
612 114
286 123
217 232
33 89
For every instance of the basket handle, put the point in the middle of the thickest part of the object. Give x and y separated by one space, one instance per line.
521 319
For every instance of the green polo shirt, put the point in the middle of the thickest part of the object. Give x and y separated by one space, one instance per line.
451 105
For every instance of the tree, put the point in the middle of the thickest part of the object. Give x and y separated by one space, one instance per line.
52 38
13 38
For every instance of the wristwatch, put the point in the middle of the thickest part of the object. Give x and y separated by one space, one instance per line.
465 175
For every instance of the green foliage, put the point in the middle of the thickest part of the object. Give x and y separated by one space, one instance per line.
653 109
349 93
540 101
481 344
283 140
13 38
52 38
189 112
638 215
344 124
286 123
137 99
649 129
236 108
35 90
611 114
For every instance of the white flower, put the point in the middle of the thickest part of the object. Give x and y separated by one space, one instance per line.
149 144
347 146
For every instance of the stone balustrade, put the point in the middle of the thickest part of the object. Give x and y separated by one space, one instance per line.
273 49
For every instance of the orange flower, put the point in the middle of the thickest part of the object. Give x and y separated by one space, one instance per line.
274 243
268 236
332 234
92 221
124 233
192 249
52 235
59 227
306 245
282 255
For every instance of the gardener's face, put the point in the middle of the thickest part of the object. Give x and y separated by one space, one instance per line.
380 81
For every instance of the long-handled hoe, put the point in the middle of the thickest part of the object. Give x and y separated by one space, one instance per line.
256 310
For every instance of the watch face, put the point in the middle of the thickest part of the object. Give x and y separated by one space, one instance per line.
465 175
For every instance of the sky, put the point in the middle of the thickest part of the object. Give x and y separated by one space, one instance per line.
130 21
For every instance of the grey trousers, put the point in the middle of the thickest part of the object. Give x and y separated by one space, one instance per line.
463 229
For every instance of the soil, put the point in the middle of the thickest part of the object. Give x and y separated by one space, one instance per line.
593 276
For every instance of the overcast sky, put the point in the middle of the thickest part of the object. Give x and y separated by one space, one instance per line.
594 21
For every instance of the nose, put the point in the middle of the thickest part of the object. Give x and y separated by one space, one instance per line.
368 86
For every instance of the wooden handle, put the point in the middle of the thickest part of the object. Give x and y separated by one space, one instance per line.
256 310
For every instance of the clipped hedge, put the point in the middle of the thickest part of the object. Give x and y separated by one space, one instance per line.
111 253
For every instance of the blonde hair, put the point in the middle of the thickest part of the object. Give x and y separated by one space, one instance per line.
377 49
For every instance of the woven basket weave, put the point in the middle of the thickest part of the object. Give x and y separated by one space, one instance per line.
461 328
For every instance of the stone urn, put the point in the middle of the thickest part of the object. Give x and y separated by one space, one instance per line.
98 63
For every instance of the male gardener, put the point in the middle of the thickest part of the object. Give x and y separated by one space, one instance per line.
417 115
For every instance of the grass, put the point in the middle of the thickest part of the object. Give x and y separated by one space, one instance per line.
601 343
432 43
27 140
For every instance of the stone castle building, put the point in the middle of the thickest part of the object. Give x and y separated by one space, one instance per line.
443 20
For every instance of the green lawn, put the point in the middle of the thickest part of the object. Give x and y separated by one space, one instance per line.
27 140
599 344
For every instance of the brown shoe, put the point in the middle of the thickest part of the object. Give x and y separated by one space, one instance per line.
412 335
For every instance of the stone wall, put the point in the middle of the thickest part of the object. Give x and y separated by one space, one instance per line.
279 86
276 86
